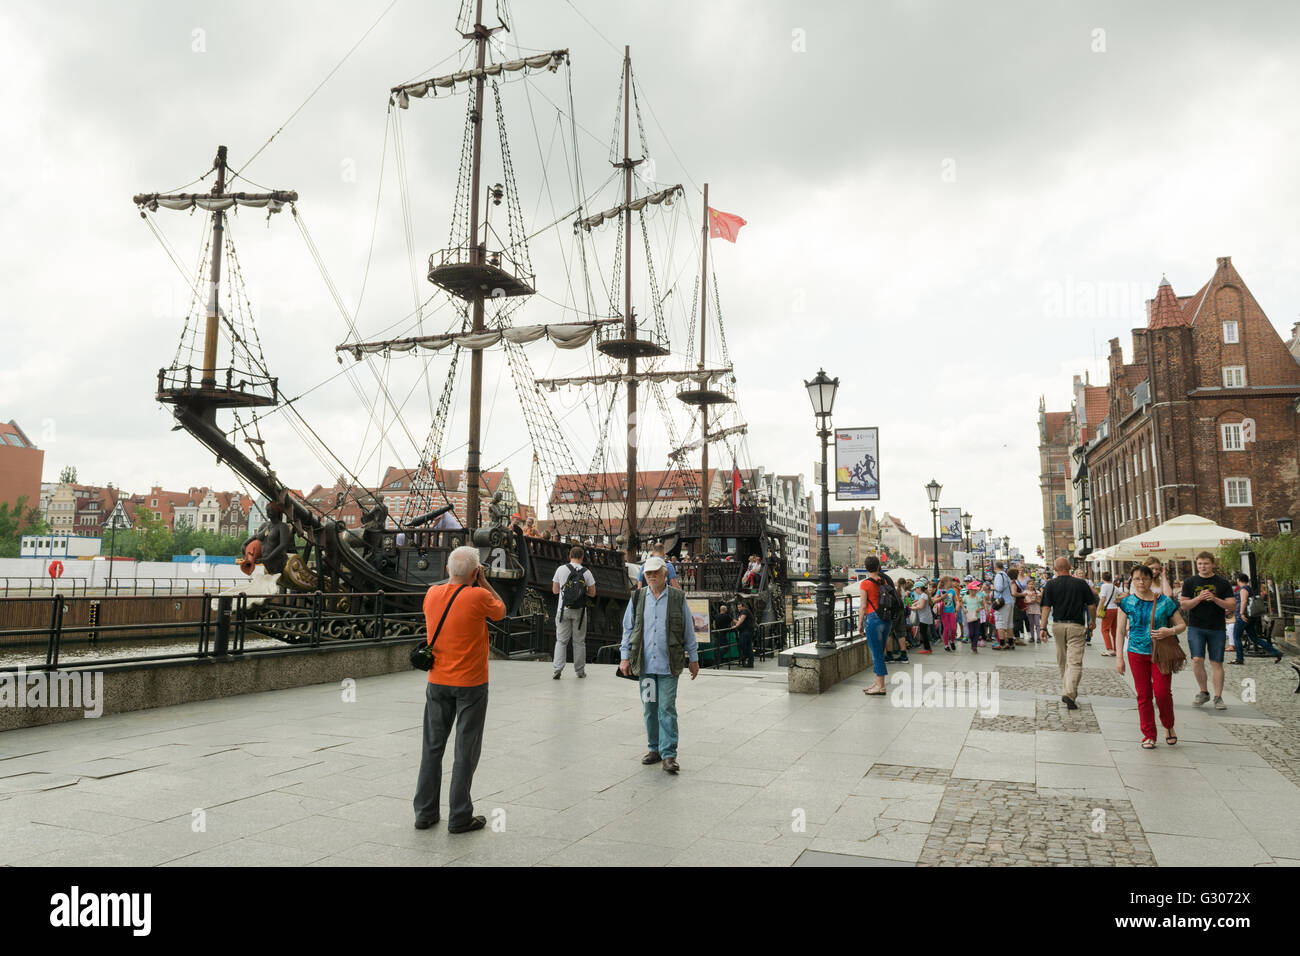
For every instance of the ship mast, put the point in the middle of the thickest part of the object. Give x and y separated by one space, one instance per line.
209 379
477 255
704 408
633 537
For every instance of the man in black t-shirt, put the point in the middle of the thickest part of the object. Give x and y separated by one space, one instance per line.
745 631
1072 606
1206 596
722 635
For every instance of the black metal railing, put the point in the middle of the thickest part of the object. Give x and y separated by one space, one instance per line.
522 636
224 623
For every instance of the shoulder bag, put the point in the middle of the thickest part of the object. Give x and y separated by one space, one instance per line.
1168 653
422 654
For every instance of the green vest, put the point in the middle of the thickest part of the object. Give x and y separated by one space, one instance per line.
675 625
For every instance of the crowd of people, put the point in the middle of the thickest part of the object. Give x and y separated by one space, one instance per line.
1141 618
1137 613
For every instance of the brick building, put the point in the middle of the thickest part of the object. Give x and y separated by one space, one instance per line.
396 492
1087 412
1202 420
1054 446
20 467
661 496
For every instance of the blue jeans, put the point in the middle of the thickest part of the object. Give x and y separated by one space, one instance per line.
659 707
1204 641
876 631
1243 630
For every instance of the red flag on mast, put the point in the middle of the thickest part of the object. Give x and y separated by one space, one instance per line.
724 224
735 487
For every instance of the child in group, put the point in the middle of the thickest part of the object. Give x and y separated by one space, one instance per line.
973 604
750 580
948 613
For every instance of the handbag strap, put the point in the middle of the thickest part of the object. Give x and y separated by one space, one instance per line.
442 620
1151 625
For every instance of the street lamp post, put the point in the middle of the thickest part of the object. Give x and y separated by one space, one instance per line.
965 525
933 489
821 392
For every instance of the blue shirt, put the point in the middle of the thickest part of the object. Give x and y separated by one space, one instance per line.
654 637
672 573
1002 586
1138 613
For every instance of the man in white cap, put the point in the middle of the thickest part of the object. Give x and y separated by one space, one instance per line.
658 641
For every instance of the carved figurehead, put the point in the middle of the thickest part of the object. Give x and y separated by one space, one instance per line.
279 553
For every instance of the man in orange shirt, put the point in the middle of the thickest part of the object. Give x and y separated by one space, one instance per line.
457 690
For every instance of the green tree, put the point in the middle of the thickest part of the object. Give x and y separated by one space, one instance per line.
68 476
16 521
154 537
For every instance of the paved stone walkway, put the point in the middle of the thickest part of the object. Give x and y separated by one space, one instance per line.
305 777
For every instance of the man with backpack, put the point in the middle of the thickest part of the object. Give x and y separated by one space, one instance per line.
574 584
879 606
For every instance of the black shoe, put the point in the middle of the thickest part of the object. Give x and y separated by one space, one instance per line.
555 676
425 824
651 757
1069 702
582 673
670 765
475 823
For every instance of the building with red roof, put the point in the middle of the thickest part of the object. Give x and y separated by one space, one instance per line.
20 467
1202 420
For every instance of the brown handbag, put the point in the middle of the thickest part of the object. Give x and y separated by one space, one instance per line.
1168 653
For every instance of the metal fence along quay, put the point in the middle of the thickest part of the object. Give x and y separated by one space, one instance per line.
222 626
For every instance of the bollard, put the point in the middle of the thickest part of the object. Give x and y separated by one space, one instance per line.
222 645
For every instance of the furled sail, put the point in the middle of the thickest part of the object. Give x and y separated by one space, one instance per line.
210 203
716 436
564 335
712 376
548 61
664 196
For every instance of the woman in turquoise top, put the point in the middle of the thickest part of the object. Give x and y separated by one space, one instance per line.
1144 612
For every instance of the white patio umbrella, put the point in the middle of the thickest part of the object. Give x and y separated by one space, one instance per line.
1180 538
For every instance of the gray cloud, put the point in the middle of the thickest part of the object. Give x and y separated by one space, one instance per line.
928 298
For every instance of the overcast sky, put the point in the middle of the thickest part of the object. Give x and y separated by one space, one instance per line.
937 196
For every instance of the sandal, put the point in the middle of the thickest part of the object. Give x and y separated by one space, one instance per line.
874 693
1148 744
1171 738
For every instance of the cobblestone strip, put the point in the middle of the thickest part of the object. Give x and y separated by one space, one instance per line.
1096 682
996 823
908 774
1054 715
1280 746
1007 724
1048 715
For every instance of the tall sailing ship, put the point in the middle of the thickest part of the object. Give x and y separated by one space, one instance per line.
484 275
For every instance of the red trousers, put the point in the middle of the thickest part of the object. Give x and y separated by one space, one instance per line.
1108 628
1146 679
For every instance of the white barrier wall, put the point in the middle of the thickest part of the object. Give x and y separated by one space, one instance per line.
95 573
